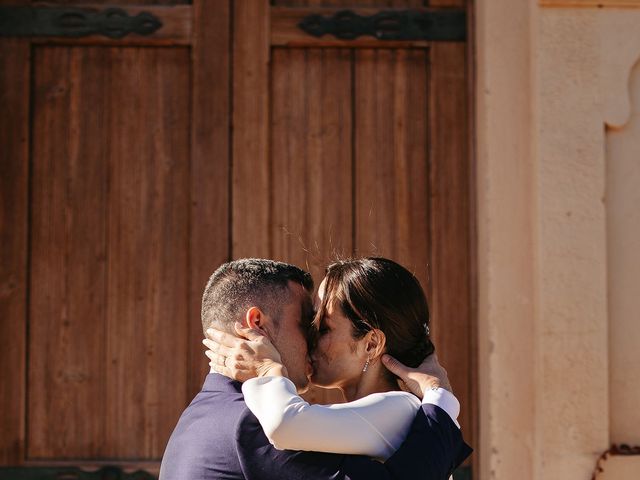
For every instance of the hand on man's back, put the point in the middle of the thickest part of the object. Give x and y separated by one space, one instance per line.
428 375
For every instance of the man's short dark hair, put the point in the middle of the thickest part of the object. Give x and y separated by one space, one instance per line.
241 284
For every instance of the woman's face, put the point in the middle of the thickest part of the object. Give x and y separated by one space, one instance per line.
337 358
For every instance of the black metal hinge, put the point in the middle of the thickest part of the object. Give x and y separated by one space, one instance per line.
390 25
74 22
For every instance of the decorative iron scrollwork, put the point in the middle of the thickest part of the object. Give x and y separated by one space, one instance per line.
390 25
74 22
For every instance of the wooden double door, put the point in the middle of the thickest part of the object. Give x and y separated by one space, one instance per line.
139 156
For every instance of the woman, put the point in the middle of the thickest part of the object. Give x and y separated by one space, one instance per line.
365 308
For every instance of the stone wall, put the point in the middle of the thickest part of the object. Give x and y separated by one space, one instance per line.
558 164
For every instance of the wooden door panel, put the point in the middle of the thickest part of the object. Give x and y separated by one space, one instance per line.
392 157
311 128
109 251
210 212
115 210
250 144
148 251
407 153
68 252
14 204
451 180
411 182
145 168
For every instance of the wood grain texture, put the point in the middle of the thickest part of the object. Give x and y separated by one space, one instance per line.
210 147
391 155
312 163
311 154
68 253
451 235
109 251
148 289
14 185
176 27
250 168
122 211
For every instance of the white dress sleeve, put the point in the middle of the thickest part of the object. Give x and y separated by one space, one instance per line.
374 426
445 400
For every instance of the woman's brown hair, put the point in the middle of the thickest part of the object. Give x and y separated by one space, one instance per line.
378 293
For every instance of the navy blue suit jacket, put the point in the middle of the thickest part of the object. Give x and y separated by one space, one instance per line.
217 437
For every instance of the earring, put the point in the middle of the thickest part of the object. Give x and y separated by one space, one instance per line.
366 365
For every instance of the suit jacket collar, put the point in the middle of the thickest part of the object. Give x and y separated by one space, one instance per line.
214 382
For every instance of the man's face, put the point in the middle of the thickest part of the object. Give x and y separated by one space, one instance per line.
290 337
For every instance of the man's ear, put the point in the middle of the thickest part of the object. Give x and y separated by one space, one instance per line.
255 318
375 343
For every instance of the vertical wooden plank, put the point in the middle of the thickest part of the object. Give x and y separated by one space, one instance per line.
311 154
67 309
148 248
391 188
312 163
450 183
210 147
250 163
108 369
14 188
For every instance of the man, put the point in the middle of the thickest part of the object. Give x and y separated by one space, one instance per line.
217 437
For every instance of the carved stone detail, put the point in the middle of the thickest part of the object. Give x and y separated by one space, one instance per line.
620 51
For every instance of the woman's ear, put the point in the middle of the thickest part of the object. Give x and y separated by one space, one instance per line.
255 318
375 343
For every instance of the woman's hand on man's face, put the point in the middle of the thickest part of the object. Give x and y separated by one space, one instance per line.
248 355
429 374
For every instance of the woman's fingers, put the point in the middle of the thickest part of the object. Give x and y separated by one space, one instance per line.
229 367
223 338
409 377
216 358
250 334
248 355
221 370
218 347
395 367
431 366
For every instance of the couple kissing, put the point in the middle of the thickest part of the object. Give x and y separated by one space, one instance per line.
366 333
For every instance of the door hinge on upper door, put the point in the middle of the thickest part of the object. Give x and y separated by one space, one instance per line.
390 25
74 22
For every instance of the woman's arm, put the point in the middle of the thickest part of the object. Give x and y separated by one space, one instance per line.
374 426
